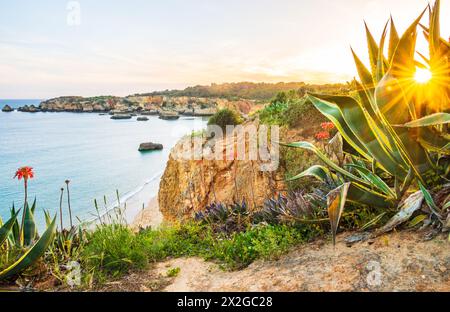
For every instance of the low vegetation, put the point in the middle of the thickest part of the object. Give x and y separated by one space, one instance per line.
225 117
252 91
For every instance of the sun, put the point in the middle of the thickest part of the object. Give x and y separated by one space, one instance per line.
423 75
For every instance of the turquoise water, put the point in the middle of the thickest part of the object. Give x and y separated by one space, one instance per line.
97 154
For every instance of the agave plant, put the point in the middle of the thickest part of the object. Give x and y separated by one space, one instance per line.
25 238
225 218
296 207
397 122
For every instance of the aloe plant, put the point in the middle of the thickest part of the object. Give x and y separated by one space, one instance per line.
26 239
397 123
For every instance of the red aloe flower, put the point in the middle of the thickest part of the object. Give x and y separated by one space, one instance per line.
24 173
327 126
323 135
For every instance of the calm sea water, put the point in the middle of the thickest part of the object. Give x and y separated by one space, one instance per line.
97 154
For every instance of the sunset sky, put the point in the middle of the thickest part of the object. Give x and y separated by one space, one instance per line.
126 47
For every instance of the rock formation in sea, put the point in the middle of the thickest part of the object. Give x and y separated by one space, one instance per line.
29 109
145 147
142 118
121 116
168 115
144 105
7 109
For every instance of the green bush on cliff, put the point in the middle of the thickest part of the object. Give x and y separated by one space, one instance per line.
224 118
290 109
115 250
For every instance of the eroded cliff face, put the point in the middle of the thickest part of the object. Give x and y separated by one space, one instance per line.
189 185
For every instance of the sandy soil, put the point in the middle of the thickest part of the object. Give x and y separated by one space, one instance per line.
151 216
398 262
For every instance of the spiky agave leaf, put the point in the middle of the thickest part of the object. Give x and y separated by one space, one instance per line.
336 204
6 228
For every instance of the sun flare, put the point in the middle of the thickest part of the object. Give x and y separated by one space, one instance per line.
423 75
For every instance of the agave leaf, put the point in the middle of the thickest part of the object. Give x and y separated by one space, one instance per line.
364 74
407 209
356 120
33 206
48 219
374 52
15 233
333 113
32 255
393 41
431 120
7 227
362 195
435 34
29 227
319 172
403 59
374 180
373 222
446 206
433 141
326 160
430 202
417 220
381 61
336 203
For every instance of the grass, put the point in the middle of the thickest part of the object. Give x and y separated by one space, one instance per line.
113 250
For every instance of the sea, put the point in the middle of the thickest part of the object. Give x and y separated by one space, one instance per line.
98 155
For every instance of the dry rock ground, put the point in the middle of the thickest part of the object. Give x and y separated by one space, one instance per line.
397 262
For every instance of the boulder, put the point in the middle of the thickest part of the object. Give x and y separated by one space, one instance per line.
145 147
7 109
28 109
169 116
121 116
142 118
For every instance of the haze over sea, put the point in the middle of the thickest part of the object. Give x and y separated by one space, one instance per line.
98 155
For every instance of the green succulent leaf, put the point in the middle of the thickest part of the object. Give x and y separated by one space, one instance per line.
32 255
429 200
336 203
326 160
373 179
319 172
29 227
7 227
431 120
373 222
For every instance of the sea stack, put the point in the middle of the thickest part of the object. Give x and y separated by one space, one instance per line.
7 109
169 116
145 147
142 118
121 116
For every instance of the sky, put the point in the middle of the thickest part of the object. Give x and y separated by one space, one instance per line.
51 48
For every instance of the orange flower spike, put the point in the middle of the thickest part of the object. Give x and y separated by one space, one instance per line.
327 126
25 173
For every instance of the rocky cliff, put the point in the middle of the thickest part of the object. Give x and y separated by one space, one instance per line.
188 185
190 106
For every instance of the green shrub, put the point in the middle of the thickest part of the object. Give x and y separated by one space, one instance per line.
113 250
224 118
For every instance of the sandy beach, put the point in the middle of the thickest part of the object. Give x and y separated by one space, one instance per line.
150 216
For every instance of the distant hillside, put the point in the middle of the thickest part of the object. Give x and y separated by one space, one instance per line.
250 90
